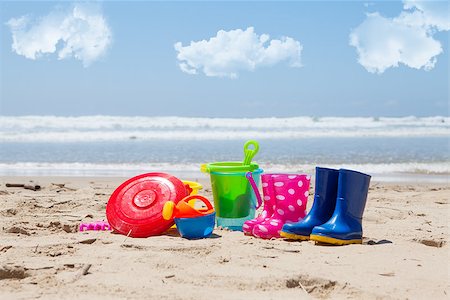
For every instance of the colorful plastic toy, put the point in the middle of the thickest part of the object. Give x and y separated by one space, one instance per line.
135 207
345 226
97 226
192 223
192 187
322 209
233 198
288 195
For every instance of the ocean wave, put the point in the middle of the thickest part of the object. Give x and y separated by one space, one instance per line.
112 128
193 169
122 122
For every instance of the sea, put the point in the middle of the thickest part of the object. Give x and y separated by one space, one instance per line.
388 148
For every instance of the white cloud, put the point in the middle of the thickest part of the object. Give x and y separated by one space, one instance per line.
81 33
382 43
430 14
230 52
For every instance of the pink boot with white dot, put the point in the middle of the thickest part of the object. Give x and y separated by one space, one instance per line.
269 203
291 195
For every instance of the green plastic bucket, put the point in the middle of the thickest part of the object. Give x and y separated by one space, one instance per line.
234 199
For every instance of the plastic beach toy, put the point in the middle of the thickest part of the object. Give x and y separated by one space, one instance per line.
192 186
191 223
135 207
97 226
234 200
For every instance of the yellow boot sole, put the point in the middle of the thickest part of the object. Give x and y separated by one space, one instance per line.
292 236
333 241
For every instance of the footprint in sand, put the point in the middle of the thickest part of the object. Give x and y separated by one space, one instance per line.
17 229
431 243
318 287
13 272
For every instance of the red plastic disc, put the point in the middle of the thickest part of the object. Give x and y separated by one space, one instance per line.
135 207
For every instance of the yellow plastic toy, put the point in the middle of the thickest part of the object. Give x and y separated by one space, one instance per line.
193 186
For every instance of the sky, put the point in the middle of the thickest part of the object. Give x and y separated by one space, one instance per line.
224 59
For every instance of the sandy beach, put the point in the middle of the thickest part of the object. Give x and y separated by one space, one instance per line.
405 253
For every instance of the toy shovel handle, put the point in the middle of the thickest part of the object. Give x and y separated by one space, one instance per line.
250 153
255 188
204 168
198 197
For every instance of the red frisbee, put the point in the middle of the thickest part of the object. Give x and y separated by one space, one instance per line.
135 207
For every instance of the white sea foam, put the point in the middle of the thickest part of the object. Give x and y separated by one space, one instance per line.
193 169
112 128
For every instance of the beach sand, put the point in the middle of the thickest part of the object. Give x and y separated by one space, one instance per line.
405 253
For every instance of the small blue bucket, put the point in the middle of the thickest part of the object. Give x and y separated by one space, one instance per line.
196 228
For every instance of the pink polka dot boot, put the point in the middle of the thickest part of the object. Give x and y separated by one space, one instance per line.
291 193
268 204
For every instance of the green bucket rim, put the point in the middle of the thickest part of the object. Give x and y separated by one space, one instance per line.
238 173
230 166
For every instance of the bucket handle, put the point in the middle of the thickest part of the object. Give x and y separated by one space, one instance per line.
255 188
198 197
170 206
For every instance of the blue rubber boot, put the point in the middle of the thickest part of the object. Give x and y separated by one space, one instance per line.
322 209
345 226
